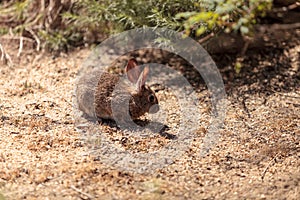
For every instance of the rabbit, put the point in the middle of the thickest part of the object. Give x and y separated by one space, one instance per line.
116 99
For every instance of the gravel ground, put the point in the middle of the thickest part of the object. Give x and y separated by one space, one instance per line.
257 156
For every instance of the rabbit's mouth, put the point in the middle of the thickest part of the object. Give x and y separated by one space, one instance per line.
154 109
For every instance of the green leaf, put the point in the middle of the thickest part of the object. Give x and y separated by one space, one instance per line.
184 15
238 66
200 31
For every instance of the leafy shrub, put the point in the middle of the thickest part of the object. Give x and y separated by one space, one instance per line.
119 15
59 24
39 20
231 15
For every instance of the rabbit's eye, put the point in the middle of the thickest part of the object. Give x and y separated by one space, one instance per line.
151 98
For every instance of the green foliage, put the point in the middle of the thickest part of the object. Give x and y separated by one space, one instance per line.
3 30
35 19
231 15
71 23
16 10
119 15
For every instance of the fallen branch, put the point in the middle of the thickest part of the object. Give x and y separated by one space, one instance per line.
268 166
81 192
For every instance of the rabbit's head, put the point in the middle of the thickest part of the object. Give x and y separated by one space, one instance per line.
143 98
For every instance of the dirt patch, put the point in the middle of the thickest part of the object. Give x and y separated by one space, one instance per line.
257 157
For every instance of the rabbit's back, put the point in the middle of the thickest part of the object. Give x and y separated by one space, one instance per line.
85 90
103 95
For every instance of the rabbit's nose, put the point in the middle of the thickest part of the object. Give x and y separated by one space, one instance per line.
154 109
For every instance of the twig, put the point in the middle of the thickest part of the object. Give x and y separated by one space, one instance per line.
286 26
48 14
53 9
13 37
2 52
287 8
81 192
204 39
36 39
20 47
268 166
275 27
246 45
5 57
67 101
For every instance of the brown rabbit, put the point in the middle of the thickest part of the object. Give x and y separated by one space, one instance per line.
113 95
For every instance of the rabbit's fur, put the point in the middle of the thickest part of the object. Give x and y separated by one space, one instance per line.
112 94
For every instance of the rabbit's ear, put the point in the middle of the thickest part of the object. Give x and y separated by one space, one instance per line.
133 71
142 79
